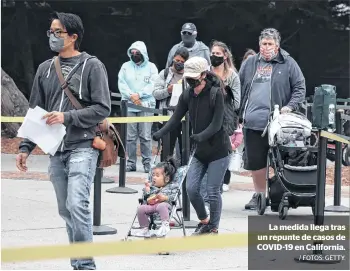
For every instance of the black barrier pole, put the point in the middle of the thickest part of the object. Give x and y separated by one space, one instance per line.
165 141
184 160
319 203
336 207
99 229
121 189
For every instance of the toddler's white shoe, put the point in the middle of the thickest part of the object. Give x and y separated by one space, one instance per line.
143 233
225 187
163 230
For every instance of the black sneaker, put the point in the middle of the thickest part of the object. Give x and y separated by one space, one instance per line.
251 205
213 231
130 168
205 229
199 226
202 229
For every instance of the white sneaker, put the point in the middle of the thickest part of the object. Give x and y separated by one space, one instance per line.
225 187
143 233
164 229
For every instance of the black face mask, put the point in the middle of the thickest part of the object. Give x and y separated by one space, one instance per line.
136 58
179 66
193 82
216 60
188 40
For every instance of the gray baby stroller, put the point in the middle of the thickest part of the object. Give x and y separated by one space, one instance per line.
293 159
175 214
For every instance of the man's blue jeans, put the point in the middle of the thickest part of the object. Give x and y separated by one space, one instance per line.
216 171
142 131
72 174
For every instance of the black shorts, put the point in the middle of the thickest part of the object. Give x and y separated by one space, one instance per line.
256 149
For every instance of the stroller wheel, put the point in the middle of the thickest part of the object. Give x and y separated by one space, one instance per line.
261 203
282 211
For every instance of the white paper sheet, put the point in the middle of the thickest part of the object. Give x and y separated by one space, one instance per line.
177 90
34 128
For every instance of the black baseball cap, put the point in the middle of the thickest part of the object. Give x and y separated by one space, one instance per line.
189 27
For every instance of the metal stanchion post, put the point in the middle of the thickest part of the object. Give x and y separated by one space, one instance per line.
185 157
99 229
121 189
319 203
337 207
165 141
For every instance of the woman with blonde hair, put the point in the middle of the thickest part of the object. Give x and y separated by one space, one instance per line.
222 65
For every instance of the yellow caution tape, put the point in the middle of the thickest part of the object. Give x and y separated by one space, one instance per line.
335 137
148 246
111 120
151 246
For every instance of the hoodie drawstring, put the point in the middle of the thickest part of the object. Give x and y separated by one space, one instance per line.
81 79
48 72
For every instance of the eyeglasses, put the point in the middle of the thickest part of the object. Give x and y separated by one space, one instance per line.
186 33
57 33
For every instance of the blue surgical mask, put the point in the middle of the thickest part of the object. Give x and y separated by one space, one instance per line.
56 44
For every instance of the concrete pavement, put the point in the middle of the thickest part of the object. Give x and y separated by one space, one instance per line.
29 218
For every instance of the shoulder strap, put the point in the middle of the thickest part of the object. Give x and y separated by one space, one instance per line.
213 92
64 85
166 72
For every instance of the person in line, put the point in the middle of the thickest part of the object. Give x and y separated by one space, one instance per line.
271 77
136 83
159 197
163 89
212 141
249 52
72 168
195 48
222 64
189 41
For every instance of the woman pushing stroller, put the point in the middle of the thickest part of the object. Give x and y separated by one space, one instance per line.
158 196
213 143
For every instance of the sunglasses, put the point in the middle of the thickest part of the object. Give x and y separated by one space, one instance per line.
186 33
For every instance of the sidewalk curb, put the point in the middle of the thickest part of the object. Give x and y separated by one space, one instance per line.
240 183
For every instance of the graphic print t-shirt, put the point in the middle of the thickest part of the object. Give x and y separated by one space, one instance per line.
258 107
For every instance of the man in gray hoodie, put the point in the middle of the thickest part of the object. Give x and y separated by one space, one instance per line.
72 168
269 78
194 47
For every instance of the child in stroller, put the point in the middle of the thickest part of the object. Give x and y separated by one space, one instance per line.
158 197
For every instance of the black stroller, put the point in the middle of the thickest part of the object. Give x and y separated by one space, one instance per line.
293 159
